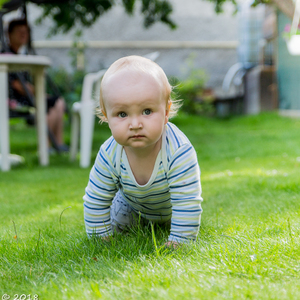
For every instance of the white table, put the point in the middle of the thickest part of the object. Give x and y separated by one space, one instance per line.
36 65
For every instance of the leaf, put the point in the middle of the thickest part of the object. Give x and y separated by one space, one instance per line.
85 13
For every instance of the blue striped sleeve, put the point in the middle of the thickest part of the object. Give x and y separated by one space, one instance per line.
99 193
185 191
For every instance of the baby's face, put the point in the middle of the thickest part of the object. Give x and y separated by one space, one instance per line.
135 109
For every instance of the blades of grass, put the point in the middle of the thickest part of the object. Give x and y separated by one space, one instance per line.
231 237
16 234
154 240
62 213
290 231
95 289
38 242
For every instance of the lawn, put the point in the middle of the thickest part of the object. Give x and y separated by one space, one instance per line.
248 246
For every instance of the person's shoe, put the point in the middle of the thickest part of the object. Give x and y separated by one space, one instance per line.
63 148
60 149
51 151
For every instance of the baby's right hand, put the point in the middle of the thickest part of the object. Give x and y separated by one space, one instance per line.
173 245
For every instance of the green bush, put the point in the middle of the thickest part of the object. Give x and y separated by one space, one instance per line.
69 85
192 91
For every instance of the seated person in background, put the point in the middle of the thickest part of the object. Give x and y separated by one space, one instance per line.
18 34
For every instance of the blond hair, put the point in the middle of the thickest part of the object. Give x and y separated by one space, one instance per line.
145 65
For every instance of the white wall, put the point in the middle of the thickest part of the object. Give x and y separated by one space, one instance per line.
196 21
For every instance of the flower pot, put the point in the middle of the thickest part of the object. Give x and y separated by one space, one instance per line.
293 45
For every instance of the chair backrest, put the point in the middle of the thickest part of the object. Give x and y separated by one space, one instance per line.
91 86
152 55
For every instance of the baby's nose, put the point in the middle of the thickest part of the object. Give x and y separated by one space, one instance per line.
135 123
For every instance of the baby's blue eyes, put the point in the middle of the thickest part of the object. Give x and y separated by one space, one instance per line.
147 112
122 115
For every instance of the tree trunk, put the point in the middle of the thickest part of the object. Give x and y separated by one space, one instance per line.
286 6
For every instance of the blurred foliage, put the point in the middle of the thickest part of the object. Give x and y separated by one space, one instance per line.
84 13
256 2
68 84
77 51
2 2
219 3
192 91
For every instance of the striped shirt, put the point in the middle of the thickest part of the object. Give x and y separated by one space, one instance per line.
172 192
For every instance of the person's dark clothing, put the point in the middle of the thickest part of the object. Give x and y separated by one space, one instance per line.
23 99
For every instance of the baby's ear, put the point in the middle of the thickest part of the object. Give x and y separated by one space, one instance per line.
104 113
101 115
168 111
105 119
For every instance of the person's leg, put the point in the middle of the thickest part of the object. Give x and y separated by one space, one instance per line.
55 119
121 214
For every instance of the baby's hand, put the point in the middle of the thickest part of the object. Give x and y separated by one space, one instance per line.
173 245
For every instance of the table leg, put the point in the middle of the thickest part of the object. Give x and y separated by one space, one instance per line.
4 120
40 99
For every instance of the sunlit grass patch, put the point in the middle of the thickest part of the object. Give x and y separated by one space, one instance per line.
247 248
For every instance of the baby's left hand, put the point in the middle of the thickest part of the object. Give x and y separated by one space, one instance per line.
173 245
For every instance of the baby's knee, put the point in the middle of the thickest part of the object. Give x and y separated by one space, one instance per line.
121 213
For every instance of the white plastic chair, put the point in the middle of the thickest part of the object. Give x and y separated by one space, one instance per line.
83 118
152 55
83 115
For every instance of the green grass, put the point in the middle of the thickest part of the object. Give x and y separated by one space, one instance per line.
248 245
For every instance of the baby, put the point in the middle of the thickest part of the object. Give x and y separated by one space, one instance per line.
148 169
